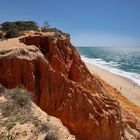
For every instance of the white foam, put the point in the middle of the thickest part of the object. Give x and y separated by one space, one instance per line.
112 67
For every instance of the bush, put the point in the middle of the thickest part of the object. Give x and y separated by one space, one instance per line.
51 135
12 34
8 26
57 32
19 25
22 97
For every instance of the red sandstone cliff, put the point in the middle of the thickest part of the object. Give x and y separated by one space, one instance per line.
62 86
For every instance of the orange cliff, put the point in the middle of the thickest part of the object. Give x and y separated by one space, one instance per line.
61 85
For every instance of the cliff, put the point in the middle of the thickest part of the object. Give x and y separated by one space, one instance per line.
60 84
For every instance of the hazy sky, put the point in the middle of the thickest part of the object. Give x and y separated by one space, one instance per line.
90 22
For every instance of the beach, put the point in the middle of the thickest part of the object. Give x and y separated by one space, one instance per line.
126 87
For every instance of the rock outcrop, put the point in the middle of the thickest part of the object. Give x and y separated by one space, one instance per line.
61 85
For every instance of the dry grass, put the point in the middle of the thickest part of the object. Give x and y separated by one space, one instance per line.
17 110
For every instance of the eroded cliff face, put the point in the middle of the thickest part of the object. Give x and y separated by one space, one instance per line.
63 58
62 86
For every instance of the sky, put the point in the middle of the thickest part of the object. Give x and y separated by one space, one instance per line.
90 22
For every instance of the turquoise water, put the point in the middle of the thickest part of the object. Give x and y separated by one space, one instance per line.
122 61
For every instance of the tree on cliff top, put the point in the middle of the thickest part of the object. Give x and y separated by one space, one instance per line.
46 25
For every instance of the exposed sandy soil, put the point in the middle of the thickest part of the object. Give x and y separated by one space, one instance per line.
10 44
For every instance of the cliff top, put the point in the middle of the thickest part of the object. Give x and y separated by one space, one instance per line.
19 28
13 43
15 47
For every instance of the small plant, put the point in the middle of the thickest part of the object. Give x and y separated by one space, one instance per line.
7 109
12 34
51 135
22 97
2 52
9 136
36 122
44 128
1 34
1 89
9 123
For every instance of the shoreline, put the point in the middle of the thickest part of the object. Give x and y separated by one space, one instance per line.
126 87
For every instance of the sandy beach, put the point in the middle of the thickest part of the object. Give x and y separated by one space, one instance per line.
125 86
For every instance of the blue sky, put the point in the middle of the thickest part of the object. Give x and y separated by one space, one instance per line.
90 22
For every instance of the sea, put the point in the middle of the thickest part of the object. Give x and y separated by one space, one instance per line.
123 61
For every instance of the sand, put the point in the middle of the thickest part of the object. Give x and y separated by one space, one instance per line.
10 44
128 90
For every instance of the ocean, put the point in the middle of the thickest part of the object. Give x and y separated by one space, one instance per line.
124 61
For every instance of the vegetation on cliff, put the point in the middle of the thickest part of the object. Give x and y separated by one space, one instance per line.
16 28
12 29
19 25
20 118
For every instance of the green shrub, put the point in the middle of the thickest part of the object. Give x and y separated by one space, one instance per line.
22 97
19 25
12 34
9 26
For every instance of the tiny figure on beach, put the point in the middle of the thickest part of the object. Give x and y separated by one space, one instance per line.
134 84
120 88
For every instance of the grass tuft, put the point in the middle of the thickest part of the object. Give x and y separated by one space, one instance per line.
2 89
51 135
22 97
